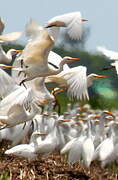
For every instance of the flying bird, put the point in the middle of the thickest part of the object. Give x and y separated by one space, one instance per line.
111 55
35 53
71 21
7 57
75 80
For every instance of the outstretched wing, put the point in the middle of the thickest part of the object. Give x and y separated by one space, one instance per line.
110 54
39 45
7 82
116 66
77 83
70 20
10 37
16 110
75 80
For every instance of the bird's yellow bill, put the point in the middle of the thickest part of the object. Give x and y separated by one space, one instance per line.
96 117
41 134
100 76
18 50
109 118
109 113
59 90
66 120
74 59
6 66
84 19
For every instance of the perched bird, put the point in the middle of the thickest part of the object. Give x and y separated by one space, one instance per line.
71 21
25 150
112 56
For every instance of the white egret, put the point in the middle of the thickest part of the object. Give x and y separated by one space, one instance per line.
75 81
72 21
25 150
111 55
17 114
35 53
7 57
16 134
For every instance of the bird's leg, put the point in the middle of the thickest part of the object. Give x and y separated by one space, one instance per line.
24 125
22 71
32 125
21 63
22 82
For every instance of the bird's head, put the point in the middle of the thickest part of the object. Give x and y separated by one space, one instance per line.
92 77
57 90
96 76
14 52
108 115
68 59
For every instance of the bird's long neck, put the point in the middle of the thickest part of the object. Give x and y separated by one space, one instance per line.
34 111
9 55
89 80
61 64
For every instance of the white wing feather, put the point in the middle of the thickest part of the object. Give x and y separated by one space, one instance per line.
8 84
110 54
77 82
33 29
10 37
116 66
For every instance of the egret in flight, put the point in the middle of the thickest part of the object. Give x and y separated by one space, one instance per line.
71 21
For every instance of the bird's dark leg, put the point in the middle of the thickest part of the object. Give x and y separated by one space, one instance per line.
22 71
32 125
21 63
24 125
22 82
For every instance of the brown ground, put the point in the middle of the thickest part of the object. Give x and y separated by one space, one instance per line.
53 167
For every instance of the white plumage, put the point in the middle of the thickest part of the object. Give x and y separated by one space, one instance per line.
72 21
111 55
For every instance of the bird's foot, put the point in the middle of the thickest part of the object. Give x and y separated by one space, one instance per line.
23 82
